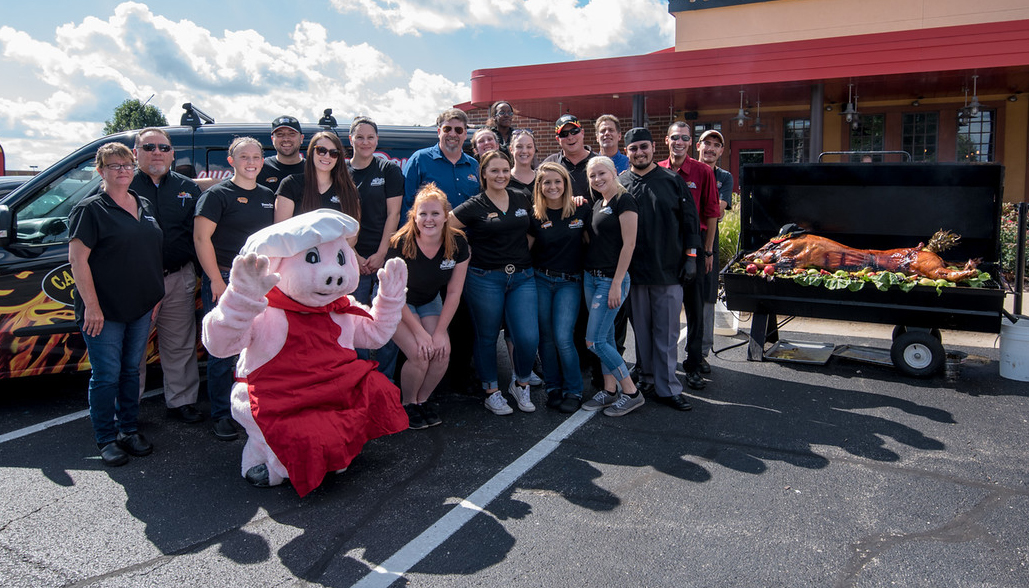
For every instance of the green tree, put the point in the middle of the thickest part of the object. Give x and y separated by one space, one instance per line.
131 115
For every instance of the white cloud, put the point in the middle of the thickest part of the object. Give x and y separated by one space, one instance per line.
598 28
234 75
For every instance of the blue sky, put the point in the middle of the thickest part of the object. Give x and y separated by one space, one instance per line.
400 61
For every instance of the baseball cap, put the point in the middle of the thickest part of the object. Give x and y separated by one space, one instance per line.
286 121
638 134
566 119
711 133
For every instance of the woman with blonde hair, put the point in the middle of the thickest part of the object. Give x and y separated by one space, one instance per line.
556 232
437 260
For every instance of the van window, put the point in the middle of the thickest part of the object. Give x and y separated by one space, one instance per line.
43 218
218 164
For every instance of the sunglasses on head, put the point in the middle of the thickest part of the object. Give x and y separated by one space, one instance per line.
572 131
456 130
153 146
333 153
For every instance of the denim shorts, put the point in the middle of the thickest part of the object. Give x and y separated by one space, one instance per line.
433 308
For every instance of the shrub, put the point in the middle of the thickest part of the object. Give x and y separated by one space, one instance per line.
1009 238
729 232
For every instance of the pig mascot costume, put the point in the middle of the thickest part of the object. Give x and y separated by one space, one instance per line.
307 402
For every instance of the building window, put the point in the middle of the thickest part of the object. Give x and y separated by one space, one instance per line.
919 135
868 136
700 127
977 139
796 140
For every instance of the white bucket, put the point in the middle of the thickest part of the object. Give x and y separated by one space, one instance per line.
726 323
1014 349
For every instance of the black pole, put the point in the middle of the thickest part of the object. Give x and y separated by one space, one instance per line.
1020 257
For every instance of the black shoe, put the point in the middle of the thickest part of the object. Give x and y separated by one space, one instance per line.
224 430
694 381
645 387
258 476
554 398
634 374
570 404
113 455
134 444
431 418
415 420
678 402
704 367
187 413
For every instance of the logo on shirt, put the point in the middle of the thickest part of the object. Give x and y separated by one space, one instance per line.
334 199
605 210
692 185
575 224
242 200
492 216
267 205
183 196
448 264
546 225
150 218
472 178
521 212
378 182
271 180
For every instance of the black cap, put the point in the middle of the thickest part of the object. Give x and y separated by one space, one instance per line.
638 134
286 121
566 119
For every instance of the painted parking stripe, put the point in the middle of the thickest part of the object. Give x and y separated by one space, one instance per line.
418 548
26 431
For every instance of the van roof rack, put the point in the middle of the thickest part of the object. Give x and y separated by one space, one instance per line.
194 117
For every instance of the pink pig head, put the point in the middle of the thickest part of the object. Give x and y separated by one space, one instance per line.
310 253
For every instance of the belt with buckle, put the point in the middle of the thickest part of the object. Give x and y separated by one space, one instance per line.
596 273
560 276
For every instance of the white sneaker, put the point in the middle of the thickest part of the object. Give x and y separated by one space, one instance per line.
521 396
534 379
497 404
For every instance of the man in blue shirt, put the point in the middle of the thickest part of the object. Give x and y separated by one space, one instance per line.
445 164
609 133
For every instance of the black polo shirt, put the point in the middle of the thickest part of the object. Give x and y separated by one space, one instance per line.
274 172
557 244
497 237
238 213
376 183
124 256
175 201
605 231
667 225
427 277
577 171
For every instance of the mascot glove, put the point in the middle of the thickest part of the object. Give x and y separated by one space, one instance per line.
393 280
250 277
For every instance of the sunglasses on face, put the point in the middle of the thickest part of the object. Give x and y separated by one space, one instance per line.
456 130
153 146
566 132
678 137
323 151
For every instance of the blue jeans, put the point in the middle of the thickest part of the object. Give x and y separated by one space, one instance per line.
220 370
558 301
600 328
114 355
493 296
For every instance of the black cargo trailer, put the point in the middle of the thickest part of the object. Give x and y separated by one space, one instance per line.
873 206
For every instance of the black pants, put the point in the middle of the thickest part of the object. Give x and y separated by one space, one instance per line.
693 303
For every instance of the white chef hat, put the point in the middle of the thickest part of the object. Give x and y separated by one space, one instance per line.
300 233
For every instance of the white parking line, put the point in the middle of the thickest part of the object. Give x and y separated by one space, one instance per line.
23 432
409 555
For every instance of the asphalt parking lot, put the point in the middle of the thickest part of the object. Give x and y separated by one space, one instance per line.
845 475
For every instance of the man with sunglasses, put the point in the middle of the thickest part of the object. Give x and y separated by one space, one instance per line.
287 139
700 179
174 197
444 164
574 154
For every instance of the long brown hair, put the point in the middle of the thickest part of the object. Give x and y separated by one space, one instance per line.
407 233
342 184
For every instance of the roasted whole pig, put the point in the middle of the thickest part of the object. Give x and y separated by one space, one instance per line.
811 251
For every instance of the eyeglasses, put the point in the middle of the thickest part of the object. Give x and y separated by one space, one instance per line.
152 146
455 130
120 166
678 137
323 151
505 113
572 131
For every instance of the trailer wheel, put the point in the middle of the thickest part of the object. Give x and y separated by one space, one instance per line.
901 329
917 353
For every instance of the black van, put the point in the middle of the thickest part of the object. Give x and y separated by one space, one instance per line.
38 334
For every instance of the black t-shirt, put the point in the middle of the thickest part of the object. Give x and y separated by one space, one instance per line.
497 237
377 182
606 234
577 172
274 172
667 225
238 213
124 257
558 245
525 189
428 277
293 188
174 201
